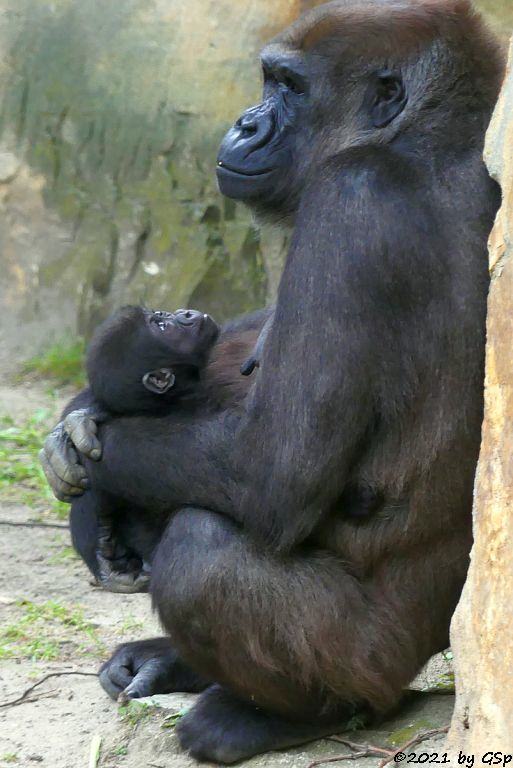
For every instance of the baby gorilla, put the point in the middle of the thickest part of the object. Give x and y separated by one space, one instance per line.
142 361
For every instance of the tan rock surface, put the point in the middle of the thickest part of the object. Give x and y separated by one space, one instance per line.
482 626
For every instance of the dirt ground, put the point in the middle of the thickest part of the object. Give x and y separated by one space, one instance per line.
53 620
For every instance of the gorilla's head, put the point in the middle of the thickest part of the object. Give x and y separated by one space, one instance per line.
346 76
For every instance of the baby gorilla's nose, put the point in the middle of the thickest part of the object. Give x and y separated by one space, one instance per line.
188 316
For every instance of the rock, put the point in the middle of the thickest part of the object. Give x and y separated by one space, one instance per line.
107 185
154 741
9 165
107 182
481 628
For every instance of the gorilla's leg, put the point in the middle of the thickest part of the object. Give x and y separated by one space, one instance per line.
115 566
296 643
83 524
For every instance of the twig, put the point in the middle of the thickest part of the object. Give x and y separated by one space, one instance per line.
51 694
339 758
355 746
416 740
359 750
21 699
16 524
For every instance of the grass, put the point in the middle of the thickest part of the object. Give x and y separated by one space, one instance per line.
62 363
21 478
120 750
135 712
63 555
130 623
42 631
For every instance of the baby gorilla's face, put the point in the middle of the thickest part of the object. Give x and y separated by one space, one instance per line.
187 333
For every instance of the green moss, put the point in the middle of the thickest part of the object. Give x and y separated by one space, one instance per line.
62 362
403 735
135 712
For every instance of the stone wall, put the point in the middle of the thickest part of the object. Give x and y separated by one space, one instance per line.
482 626
110 120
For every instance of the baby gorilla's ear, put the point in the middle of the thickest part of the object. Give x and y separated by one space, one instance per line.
159 381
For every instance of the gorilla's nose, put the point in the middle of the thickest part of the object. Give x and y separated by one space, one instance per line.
253 129
188 316
247 123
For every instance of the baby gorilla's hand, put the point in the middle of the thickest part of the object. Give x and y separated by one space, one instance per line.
59 455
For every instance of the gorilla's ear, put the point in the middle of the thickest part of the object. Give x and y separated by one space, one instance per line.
159 381
388 97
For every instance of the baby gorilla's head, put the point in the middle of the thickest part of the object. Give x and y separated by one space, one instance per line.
140 359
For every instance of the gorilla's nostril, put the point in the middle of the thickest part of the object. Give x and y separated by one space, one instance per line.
247 124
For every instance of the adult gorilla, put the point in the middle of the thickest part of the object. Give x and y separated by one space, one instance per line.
370 133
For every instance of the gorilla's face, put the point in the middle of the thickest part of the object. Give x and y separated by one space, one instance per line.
257 158
324 94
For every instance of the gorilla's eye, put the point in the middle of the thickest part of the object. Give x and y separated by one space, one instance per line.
282 78
269 77
292 85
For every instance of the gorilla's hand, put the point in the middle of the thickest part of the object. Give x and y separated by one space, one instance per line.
147 667
59 459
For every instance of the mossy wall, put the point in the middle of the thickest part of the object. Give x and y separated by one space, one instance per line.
111 115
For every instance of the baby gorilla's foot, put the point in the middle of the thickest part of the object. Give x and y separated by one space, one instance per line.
125 575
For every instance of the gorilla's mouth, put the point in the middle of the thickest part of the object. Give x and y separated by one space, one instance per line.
228 169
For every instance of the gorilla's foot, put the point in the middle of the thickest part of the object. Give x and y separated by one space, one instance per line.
223 729
122 575
125 582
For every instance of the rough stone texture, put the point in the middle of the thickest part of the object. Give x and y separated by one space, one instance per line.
155 743
481 629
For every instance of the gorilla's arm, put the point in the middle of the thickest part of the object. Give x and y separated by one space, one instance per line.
351 285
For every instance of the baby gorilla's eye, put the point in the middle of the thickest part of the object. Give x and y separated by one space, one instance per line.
162 325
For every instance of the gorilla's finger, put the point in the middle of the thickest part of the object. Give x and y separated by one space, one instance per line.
108 685
61 489
63 460
120 675
82 429
145 683
248 366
